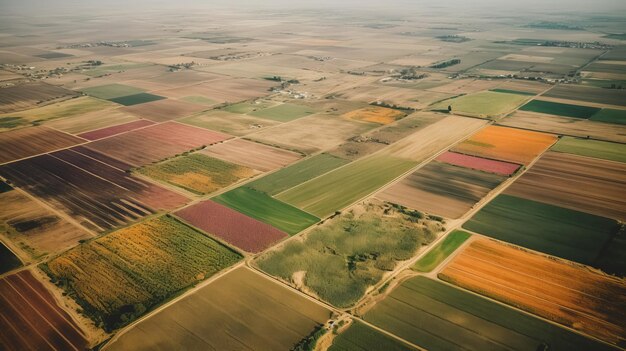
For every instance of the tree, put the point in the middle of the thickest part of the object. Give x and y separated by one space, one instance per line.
449 108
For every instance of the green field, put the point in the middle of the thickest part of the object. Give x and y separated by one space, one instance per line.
509 91
360 337
197 173
200 100
284 112
136 99
337 189
591 148
609 115
483 104
248 106
441 251
8 261
559 109
267 209
437 317
296 174
613 258
573 235
111 91
340 259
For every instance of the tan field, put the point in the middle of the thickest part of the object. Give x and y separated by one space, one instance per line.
254 155
163 110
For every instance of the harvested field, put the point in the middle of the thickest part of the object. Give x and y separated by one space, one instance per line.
339 188
554 289
163 110
8 260
229 123
92 120
565 126
231 226
591 94
258 313
31 319
528 87
29 95
375 114
118 277
296 174
565 233
312 133
266 209
509 91
197 173
361 337
254 155
35 229
442 189
340 259
484 104
560 109
437 316
146 145
608 115
441 251
284 112
234 90
249 106
136 99
478 163
114 130
575 182
91 187
506 144
112 91
592 148
26 142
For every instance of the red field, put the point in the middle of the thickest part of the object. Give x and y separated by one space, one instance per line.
93 191
30 319
114 130
143 146
479 163
26 142
231 226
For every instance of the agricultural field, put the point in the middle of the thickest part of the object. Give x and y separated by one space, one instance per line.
197 173
506 144
31 319
284 112
81 123
558 231
160 110
360 337
571 295
26 142
486 104
90 187
592 148
437 316
118 277
609 115
560 109
116 129
442 189
112 91
614 97
266 209
575 182
231 226
375 114
20 97
136 99
296 174
339 260
258 313
478 163
441 251
154 143
8 260
229 123
250 154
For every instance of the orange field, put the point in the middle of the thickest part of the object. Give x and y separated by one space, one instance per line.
506 144
555 289
375 114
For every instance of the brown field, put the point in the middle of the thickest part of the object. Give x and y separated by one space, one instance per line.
230 123
143 146
91 121
399 96
576 182
565 126
375 114
254 155
252 312
525 86
597 95
163 110
226 90
31 319
29 95
34 228
27 142
506 144
442 189
184 78
555 289
312 133
466 86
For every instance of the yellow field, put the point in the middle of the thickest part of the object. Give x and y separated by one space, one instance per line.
375 114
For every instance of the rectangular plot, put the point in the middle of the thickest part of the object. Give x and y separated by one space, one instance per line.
591 94
284 112
114 130
160 110
111 91
592 148
27 142
253 155
478 163
560 109
136 99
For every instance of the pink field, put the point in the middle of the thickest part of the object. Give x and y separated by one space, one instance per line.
231 226
479 163
114 130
